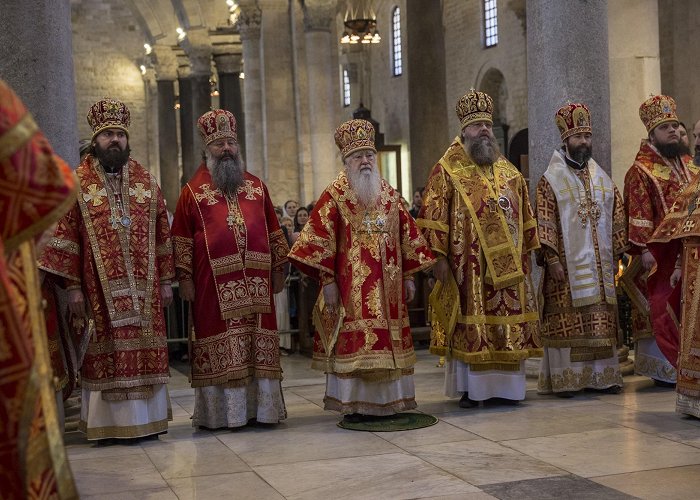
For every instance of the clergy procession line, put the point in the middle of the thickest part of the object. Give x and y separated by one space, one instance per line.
111 254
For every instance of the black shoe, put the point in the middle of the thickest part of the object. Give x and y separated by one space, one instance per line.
505 401
353 418
465 402
614 389
564 394
661 383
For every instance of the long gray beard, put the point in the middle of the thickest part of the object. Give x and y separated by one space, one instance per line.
366 185
226 173
482 150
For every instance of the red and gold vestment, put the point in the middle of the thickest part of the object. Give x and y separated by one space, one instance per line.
651 186
119 267
36 189
369 254
589 328
676 312
230 248
481 220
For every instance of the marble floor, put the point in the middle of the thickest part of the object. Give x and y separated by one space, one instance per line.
595 446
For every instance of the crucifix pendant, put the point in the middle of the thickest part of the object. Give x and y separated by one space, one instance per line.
492 203
114 220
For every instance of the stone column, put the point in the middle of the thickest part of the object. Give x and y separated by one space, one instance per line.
426 103
166 74
634 74
280 151
249 28
322 78
198 50
37 62
228 69
566 60
187 126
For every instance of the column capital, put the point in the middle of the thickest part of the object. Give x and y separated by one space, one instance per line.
165 62
228 63
319 14
197 46
250 20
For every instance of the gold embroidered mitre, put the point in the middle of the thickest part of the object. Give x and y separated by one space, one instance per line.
572 119
108 113
474 107
354 135
656 110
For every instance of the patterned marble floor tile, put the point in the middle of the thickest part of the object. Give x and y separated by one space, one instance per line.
130 473
283 444
442 432
159 494
187 458
607 451
481 461
677 483
523 422
89 449
395 476
555 488
240 486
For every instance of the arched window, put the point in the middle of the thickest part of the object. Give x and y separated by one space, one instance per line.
490 23
346 88
396 58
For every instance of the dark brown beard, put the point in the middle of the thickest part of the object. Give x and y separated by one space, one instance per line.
226 173
112 159
482 150
669 150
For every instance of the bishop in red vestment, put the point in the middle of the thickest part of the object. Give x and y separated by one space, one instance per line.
229 254
363 246
660 171
36 189
114 255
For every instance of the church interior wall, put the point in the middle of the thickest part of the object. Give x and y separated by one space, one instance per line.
678 30
466 59
389 94
106 43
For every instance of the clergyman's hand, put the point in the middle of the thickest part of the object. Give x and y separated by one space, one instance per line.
187 290
76 302
556 271
166 294
675 277
648 260
277 282
331 294
442 270
409 290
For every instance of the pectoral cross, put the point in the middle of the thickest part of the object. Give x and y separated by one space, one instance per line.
493 205
114 220
234 220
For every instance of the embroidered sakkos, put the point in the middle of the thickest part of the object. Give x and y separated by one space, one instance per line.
119 265
651 186
36 189
368 253
487 248
230 248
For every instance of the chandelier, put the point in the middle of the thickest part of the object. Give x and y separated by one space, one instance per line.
360 24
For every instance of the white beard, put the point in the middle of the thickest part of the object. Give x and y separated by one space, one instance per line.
366 185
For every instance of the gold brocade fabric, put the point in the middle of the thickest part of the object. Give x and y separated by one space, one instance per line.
120 269
496 327
651 186
682 225
589 330
369 254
